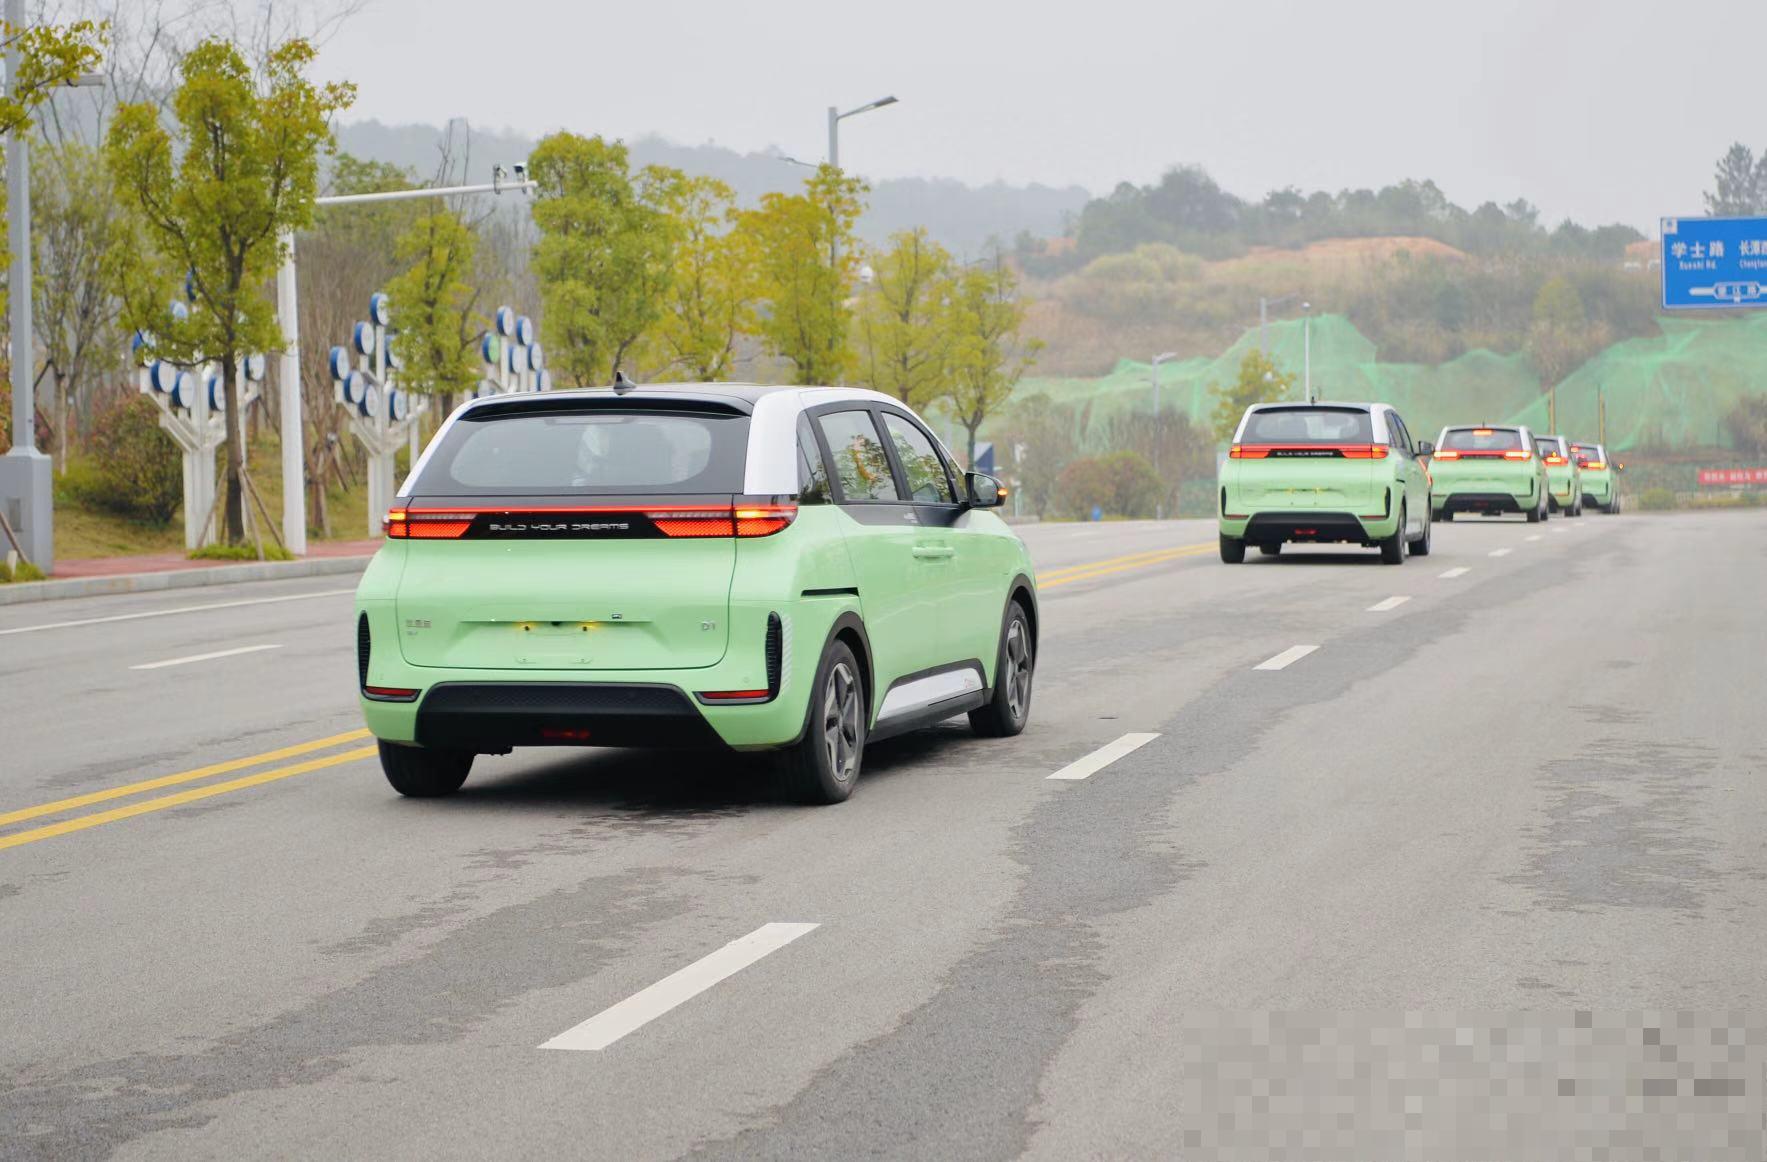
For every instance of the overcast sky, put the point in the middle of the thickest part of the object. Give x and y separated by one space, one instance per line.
1601 110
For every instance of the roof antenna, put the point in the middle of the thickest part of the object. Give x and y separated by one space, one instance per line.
622 385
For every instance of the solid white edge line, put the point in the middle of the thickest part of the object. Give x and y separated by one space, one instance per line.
204 657
1103 757
679 987
1457 571
1389 603
1501 552
1286 658
179 609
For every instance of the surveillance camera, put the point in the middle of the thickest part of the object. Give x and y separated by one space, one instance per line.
521 171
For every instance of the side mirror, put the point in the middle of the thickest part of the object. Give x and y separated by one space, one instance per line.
984 491
1425 448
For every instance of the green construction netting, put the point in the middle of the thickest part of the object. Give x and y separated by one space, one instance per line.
1671 390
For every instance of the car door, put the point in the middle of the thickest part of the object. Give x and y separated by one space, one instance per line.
882 533
1417 481
957 576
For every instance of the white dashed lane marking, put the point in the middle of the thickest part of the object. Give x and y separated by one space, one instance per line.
1501 552
1103 757
205 657
1286 658
1389 603
1535 537
641 1008
1457 571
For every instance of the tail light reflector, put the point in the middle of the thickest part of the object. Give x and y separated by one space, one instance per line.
404 524
739 520
390 693
1446 454
733 695
1518 454
1597 465
1556 460
1347 451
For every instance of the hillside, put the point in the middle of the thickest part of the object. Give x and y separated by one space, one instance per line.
962 217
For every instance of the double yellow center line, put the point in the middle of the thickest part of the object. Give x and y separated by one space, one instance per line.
191 795
1071 573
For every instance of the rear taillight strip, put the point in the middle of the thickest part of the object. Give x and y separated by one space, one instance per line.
1347 451
738 520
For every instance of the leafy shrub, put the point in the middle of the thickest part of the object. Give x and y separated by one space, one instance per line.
1657 499
272 552
138 469
1120 483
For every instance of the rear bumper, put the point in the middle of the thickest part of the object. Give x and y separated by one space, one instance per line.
495 716
1308 527
1484 503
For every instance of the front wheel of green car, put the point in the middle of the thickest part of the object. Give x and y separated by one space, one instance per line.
824 764
1392 549
419 772
1232 550
1010 708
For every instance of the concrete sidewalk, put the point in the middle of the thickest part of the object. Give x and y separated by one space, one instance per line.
95 576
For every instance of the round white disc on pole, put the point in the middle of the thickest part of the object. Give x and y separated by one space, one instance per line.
211 383
536 356
524 330
370 400
380 309
518 359
398 406
489 348
255 366
362 337
505 319
183 390
163 376
339 361
355 388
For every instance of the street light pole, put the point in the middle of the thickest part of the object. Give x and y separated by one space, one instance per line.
1307 351
294 494
835 117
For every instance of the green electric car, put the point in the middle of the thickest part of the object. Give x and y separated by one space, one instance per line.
1564 478
799 570
1489 471
1324 473
1596 472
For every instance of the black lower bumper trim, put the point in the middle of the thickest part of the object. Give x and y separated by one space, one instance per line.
490 717
1482 502
1313 528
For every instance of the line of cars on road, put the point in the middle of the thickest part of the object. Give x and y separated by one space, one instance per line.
1352 473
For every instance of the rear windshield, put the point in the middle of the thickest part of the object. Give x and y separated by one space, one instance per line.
1549 445
1304 425
601 451
1482 439
1586 452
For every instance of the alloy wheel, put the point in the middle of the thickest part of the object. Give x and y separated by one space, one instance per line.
840 721
1018 664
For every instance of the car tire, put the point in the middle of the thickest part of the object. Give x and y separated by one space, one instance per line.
1232 550
1271 550
1392 549
1612 508
1535 515
419 772
1015 669
824 764
1421 546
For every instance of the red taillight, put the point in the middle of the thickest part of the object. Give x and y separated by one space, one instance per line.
426 525
1348 451
1556 460
763 520
692 523
1518 454
1445 454
1370 452
1593 465
733 695
1246 452
390 693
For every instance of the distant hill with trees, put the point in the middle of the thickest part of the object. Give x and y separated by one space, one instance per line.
961 217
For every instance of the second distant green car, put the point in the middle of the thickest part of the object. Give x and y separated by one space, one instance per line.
1564 476
1324 473
1490 471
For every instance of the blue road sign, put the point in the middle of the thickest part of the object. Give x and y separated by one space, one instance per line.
1714 263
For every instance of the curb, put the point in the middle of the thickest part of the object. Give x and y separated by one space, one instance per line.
21 592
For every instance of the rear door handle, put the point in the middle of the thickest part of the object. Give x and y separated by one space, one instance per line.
934 552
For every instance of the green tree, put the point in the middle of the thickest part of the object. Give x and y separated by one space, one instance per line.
710 300
1258 381
1039 438
436 306
903 320
804 261
986 353
605 255
215 204
1739 184
50 57
1560 336
1119 483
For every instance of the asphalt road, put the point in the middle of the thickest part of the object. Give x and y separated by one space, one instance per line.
1482 874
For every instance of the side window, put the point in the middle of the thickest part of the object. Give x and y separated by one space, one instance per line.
812 472
928 483
1396 433
861 467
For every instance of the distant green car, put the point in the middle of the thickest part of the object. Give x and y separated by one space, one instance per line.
1564 478
1489 471
1325 473
790 569
1600 490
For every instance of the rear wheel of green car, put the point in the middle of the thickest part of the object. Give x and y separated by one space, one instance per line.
1232 549
1010 708
1392 549
420 772
1536 514
1421 546
824 765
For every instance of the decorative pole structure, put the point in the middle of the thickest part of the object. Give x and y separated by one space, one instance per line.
514 360
193 412
381 416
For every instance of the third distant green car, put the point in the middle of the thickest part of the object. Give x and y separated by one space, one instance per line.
1490 471
1596 472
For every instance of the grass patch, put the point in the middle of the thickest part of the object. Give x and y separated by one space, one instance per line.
23 571
272 552
1658 500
